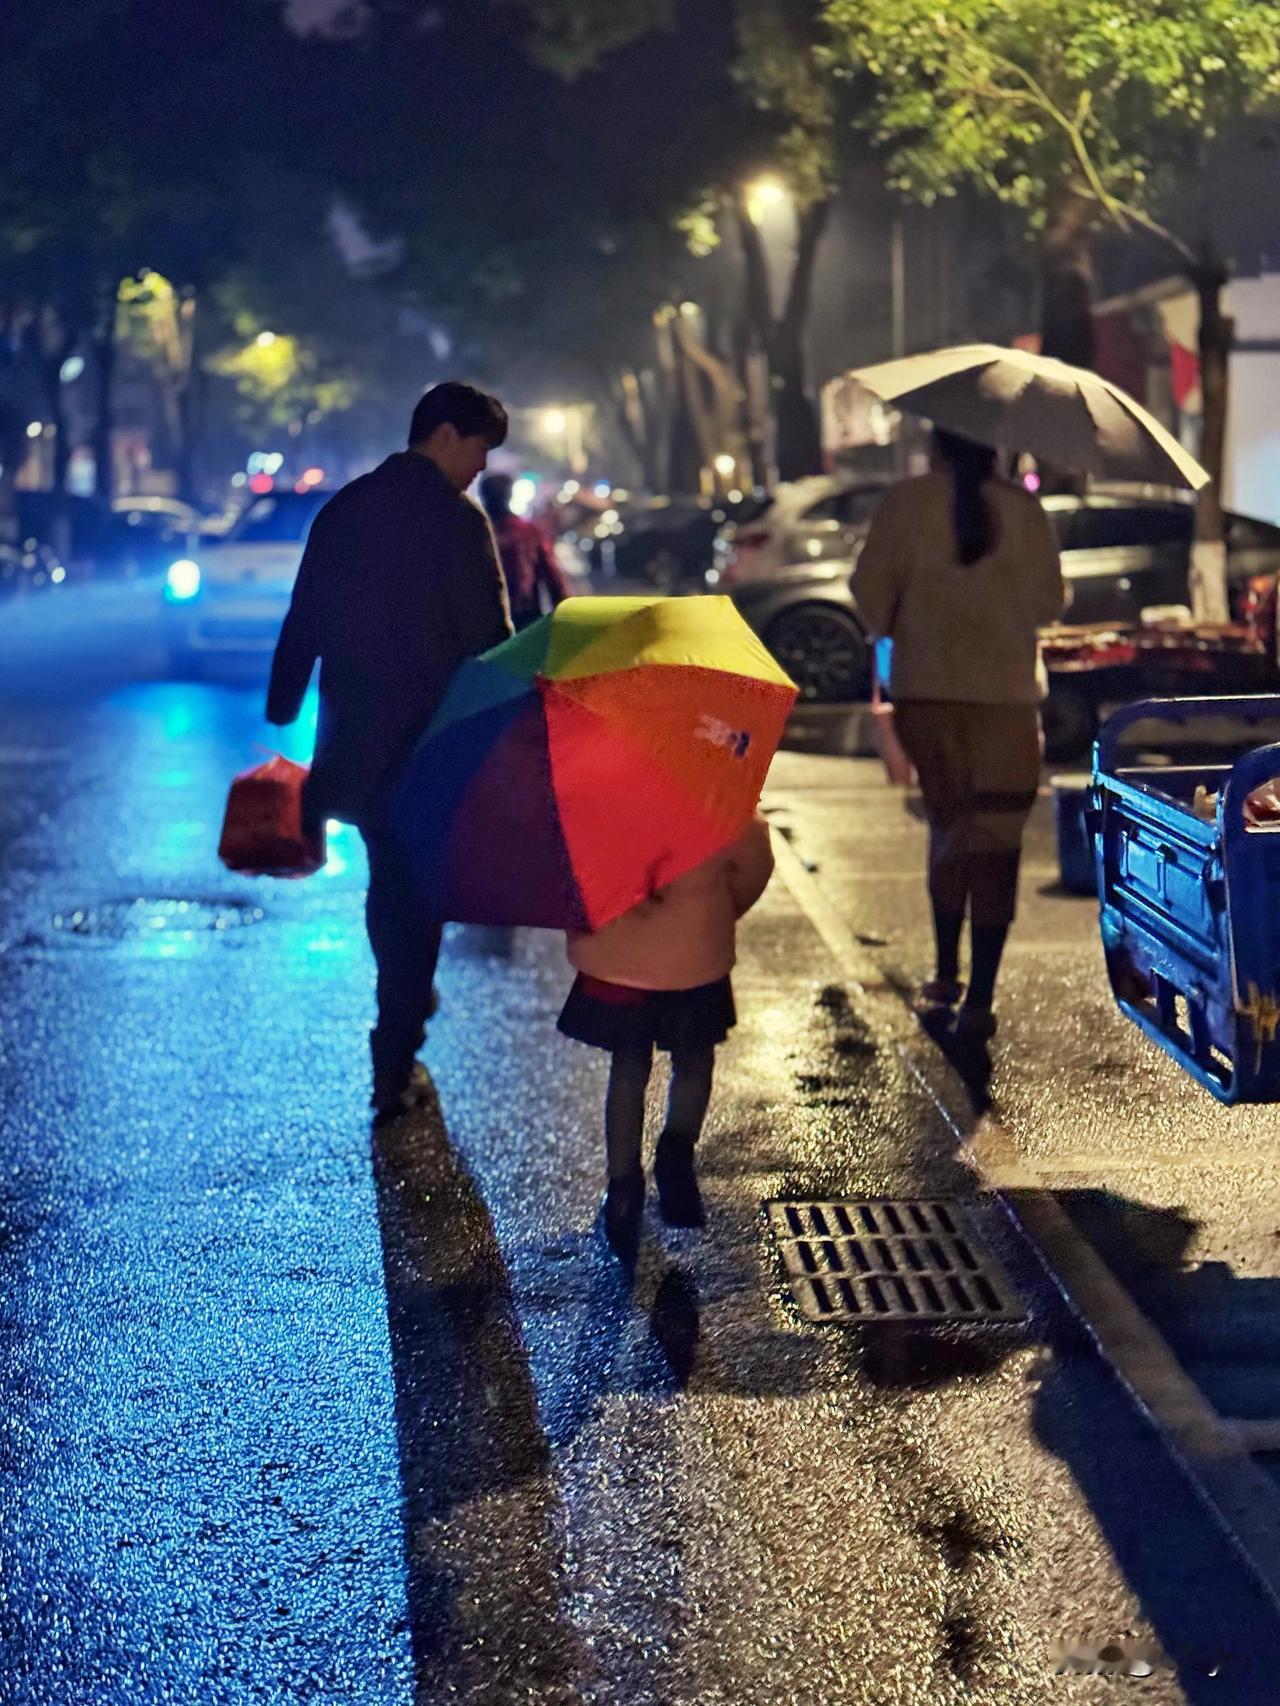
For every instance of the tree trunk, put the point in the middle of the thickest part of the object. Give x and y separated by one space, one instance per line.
1209 602
683 459
104 352
684 456
53 361
13 425
629 412
798 438
799 432
751 423
184 377
184 459
1066 271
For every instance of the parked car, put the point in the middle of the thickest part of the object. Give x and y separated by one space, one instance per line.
666 542
230 599
129 537
183 517
805 613
804 521
29 567
1123 554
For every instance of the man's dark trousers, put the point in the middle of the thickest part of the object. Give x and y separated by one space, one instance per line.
405 939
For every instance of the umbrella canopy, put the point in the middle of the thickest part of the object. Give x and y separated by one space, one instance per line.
1016 401
591 759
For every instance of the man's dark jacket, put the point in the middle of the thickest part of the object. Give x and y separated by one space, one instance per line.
399 583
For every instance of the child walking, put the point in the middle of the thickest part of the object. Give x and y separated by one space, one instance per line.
658 977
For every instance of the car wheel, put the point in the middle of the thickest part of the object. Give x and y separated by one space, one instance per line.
823 650
1070 724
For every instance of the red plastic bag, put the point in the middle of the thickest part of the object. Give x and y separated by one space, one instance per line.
262 830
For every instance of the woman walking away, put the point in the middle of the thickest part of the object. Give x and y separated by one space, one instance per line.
960 569
659 977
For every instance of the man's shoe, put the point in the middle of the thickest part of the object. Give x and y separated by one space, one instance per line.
679 1198
623 1210
389 1102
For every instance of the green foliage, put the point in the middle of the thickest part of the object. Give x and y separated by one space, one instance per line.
1027 96
783 74
156 322
280 381
788 90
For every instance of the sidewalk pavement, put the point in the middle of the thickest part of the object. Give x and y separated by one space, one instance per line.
1181 1194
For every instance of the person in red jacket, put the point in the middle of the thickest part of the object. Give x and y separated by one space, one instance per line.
528 562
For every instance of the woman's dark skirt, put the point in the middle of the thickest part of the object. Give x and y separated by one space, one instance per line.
681 1021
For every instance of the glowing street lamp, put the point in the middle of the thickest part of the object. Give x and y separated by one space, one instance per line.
555 423
763 196
725 464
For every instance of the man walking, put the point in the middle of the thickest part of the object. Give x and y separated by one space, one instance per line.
399 583
528 562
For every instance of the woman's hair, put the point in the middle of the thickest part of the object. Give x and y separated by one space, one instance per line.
971 516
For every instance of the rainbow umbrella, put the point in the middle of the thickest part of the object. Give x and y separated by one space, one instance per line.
591 759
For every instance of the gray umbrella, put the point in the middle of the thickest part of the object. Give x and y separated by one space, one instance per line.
1057 413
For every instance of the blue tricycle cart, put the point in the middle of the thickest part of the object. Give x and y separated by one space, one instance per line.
1190 904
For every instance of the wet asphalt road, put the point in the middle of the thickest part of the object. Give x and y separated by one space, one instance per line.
296 1411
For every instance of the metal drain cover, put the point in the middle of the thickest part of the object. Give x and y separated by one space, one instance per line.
910 1259
148 917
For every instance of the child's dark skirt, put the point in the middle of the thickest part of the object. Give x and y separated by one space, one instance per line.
612 1016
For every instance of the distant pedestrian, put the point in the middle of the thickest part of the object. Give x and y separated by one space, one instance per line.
659 977
960 570
528 562
399 583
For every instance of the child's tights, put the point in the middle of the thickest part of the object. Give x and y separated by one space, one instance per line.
687 1099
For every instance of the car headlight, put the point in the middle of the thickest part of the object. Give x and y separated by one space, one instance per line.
182 582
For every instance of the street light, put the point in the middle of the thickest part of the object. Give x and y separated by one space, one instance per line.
725 464
264 340
555 423
762 196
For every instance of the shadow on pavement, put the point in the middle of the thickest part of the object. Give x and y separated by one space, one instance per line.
675 1324
1213 1620
971 1061
482 1592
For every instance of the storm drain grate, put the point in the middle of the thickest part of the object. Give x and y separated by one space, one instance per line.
148 917
910 1259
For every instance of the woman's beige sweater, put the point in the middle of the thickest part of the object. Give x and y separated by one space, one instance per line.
958 632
